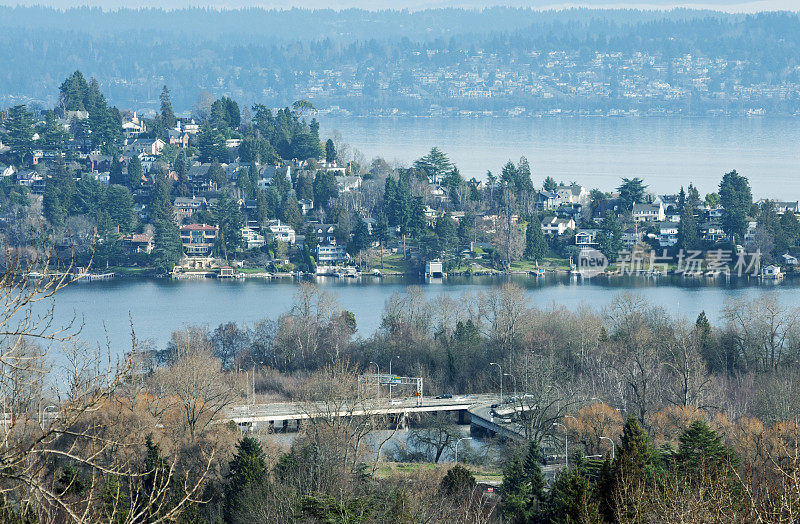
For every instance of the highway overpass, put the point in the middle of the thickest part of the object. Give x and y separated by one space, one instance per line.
475 409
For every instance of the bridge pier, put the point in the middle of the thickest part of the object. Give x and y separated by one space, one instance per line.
463 417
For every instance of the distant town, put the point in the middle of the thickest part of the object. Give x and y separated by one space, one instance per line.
257 192
502 62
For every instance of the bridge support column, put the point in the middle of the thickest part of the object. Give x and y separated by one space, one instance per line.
463 417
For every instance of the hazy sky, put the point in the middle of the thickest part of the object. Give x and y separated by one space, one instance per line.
725 5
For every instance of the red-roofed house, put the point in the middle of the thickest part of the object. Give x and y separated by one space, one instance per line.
198 239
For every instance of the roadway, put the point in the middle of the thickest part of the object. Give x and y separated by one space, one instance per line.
285 411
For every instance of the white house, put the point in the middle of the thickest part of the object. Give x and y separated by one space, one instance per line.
557 226
348 183
282 232
145 146
252 238
771 272
331 254
572 194
648 212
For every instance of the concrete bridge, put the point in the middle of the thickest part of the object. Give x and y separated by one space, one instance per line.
473 409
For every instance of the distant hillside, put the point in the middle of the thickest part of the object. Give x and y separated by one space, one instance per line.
369 62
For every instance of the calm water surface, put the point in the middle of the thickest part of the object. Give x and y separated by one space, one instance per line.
597 152
157 307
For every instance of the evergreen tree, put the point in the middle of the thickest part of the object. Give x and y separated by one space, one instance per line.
446 231
216 174
360 239
549 184
167 114
19 132
688 235
381 232
458 482
115 175
330 151
248 469
182 186
229 219
571 498
610 237
702 452
135 172
631 191
290 212
74 93
535 244
155 477
119 205
434 165
167 247
736 200
53 137
633 468
160 201
515 492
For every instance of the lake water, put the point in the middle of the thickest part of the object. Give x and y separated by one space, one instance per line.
666 152
157 307
597 152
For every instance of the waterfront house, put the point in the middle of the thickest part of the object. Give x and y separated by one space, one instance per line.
133 127
771 272
306 205
348 183
586 237
789 260
331 254
632 236
138 243
198 239
326 233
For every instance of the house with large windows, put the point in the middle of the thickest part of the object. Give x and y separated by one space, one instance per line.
198 239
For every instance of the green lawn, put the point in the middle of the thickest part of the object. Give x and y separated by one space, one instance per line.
390 469
393 264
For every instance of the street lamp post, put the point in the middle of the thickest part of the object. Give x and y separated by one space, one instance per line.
501 379
566 445
391 377
457 442
613 446
44 412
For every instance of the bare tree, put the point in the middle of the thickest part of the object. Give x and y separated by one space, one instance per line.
196 383
43 436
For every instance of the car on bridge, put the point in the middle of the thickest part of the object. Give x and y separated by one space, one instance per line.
444 396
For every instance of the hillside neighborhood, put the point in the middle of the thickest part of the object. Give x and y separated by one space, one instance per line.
258 191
